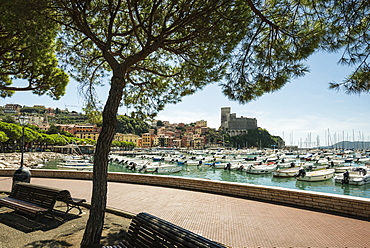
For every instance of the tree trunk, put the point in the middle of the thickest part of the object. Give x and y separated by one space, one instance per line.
95 222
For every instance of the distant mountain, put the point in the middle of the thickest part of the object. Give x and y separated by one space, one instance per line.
350 145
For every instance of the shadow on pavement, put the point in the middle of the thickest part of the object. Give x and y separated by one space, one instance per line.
25 223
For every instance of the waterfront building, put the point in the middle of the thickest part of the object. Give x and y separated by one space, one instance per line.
139 142
163 141
198 142
147 140
176 143
127 137
87 135
87 131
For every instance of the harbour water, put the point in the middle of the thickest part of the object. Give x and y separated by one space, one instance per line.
206 172
328 186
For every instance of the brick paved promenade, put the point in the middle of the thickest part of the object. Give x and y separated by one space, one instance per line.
232 221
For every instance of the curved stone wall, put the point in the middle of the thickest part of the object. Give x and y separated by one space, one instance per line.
336 204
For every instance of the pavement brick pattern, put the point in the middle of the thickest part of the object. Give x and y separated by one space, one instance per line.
231 221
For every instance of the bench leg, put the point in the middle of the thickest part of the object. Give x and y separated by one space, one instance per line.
70 207
38 216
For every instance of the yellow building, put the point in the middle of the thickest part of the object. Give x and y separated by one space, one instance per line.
87 135
147 140
87 131
127 137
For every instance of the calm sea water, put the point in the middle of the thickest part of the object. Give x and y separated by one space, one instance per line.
328 186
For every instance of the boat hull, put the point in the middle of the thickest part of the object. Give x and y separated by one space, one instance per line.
261 169
354 179
289 172
316 176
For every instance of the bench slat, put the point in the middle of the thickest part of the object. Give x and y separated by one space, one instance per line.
150 234
148 231
19 204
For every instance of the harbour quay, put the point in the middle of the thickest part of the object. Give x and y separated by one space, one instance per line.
336 204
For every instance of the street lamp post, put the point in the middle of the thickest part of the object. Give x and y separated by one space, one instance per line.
23 120
22 174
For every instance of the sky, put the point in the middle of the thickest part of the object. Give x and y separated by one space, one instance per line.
305 112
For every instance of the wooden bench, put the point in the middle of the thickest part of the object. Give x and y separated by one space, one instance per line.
150 231
63 195
34 201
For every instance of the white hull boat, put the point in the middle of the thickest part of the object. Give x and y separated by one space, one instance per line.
240 166
287 172
343 169
289 164
193 163
77 167
77 163
353 177
261 169
315 176
160 168
216 165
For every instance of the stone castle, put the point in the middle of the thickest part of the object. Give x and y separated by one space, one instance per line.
233 125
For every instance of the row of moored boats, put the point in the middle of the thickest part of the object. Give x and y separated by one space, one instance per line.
304 168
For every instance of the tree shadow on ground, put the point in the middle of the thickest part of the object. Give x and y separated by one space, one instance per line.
27 223
48 244
114 237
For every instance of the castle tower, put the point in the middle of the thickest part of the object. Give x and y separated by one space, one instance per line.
236 125
225 116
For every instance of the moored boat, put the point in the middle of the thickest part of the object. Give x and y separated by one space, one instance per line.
286 172
261 169
77 167
158 167
359 177
193 162
315 176
343 169
216 165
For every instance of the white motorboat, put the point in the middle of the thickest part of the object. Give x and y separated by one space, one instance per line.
343 169
240 166
313 167
261 169
362 159
79 167
286 172
315 176
77 162
216 165
158 167
290 164
360 177
193 162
